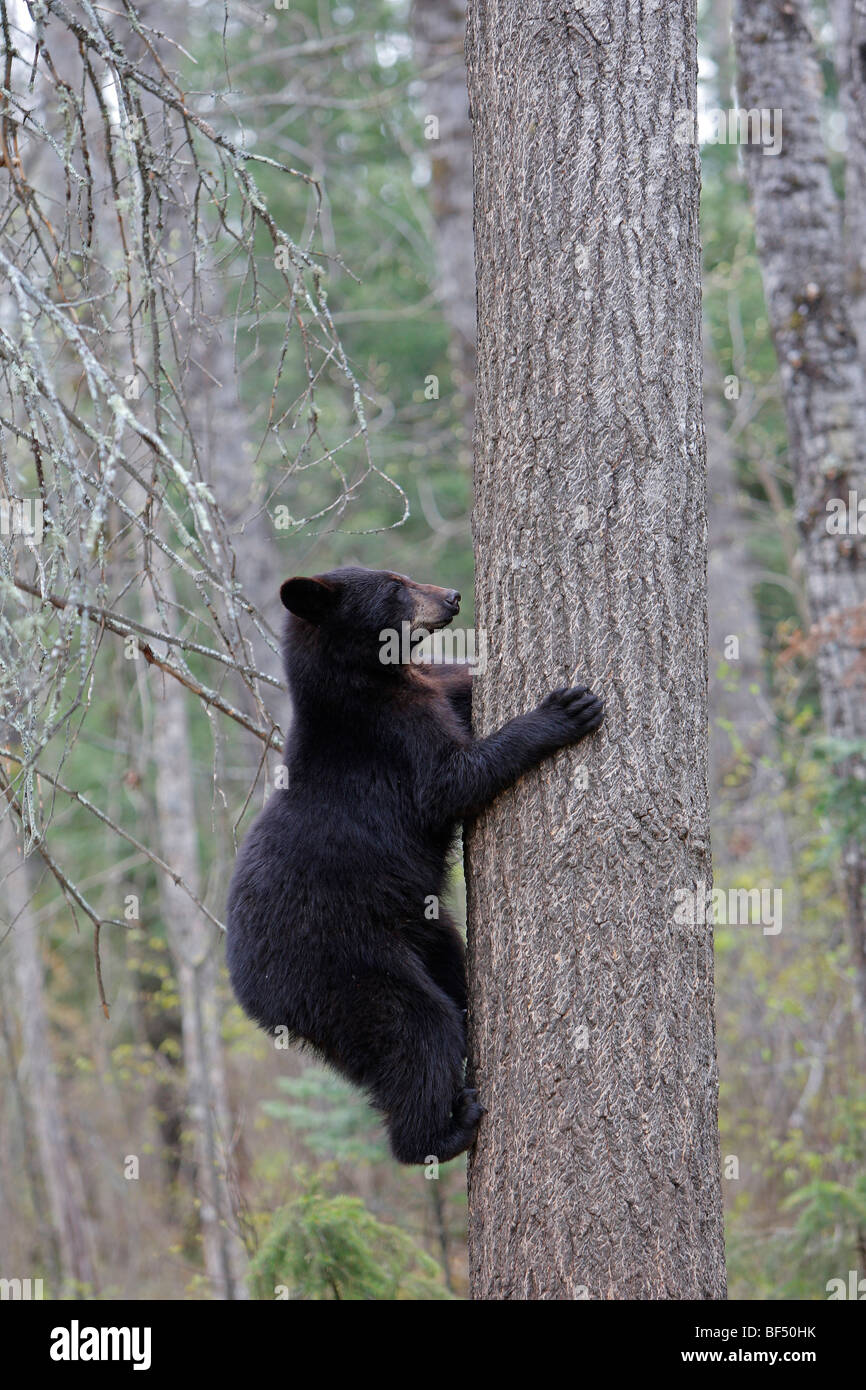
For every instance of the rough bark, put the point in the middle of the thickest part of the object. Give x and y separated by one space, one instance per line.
71 1247
849 25
596 1172
196 952
800 247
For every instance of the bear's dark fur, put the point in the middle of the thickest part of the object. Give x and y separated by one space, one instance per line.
330 931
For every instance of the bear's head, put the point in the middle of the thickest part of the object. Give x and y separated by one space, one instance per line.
356 606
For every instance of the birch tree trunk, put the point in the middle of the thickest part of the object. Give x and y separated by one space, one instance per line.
596 1172
196 952
849 25
70 1233
438 28
799 237
745 776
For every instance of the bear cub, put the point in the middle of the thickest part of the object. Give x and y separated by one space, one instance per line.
330 929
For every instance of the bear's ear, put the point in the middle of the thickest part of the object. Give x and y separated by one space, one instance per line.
310 599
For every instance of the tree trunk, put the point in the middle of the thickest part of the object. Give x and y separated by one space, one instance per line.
71 1242
748 826
194 948
745 777
849 24
596 1172
720 50
438 27
799 237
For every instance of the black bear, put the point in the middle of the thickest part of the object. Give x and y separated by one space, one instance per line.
332 931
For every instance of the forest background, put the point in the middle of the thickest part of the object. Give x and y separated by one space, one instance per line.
308 362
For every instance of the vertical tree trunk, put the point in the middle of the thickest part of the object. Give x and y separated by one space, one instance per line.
596 1172
849 24
748 825
71 1237
438 29
799 237
745 778
720 50
194 948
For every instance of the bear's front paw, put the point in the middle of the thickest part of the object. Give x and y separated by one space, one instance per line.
576 711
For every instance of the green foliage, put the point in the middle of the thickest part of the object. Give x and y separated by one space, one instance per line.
828 1237
830 1210
783 1003
321 1247
843 799
333 1119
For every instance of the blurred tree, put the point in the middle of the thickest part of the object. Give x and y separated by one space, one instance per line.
745 773
196 951
798 226
849 30
68 1246
745 776
438 30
